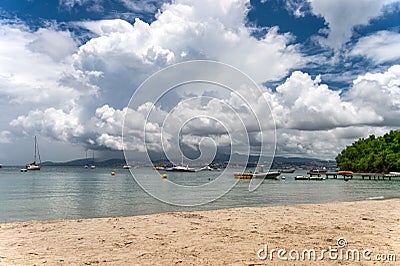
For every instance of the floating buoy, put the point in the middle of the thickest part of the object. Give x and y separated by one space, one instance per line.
164 176
112 173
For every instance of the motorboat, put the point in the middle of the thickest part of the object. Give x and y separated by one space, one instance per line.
261 173
287 170
311 178
180 168
258 173
317 178
301 177
318 171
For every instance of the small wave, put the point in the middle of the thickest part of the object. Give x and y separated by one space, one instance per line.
376 198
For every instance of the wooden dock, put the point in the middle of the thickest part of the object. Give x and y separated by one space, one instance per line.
364 176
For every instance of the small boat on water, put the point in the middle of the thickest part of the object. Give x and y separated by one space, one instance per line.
267 175
180 168
317 178
93 166
318 171
159 168
86 165
243 175
344 172
258 173
126 166
34 165
287 170
301 177
250 175
311 178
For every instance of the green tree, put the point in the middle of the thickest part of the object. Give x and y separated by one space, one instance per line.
373 154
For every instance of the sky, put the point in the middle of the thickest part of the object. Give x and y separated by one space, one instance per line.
329 71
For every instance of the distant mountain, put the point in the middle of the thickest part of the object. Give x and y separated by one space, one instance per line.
279 161
298 159
82 162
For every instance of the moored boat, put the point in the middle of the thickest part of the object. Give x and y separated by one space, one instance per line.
86 165
180 168
301 177
260 172
93 166
287 170
316 178
318 171
243 175
311 178
34 165
267 175
344 172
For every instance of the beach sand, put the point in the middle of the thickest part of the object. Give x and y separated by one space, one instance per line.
221 237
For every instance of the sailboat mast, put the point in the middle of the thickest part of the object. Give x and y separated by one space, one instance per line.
34 148
37 147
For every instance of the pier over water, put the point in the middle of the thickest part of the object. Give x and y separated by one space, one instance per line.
362 176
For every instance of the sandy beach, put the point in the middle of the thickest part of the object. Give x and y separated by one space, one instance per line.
223 237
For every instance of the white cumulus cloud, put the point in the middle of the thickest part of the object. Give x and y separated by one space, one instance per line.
381 46
381 92
342 15
306 104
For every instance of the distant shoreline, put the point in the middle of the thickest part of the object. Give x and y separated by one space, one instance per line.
279 161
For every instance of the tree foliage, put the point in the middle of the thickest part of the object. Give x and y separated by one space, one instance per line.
378 155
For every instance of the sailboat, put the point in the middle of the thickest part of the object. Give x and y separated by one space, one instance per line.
34 165
86 165
93 166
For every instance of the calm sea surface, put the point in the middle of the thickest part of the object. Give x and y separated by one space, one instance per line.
75 192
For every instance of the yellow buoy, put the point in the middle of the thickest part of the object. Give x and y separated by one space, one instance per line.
164 176
112 173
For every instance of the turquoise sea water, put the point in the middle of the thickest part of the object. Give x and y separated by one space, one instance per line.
75 192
